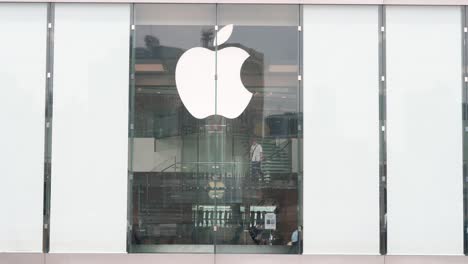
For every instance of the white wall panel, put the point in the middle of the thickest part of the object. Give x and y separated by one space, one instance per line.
341 130
22 89
425 199
90 128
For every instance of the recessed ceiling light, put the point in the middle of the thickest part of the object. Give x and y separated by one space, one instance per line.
282 68
149 67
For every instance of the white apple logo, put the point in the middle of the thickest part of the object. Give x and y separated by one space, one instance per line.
196 84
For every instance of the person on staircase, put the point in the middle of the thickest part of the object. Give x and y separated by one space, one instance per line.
256 157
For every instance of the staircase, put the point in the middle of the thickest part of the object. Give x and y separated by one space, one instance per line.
277 157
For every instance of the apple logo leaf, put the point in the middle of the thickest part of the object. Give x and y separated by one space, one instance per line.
223 35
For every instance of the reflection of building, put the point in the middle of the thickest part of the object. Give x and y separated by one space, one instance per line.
156 94
283 125
252 73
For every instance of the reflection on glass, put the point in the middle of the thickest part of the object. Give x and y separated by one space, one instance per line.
213 182
168 185
264 137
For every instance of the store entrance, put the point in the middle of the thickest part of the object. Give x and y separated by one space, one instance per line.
229 181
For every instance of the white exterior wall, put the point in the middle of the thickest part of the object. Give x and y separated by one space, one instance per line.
424 131
341 130
90 128
22 112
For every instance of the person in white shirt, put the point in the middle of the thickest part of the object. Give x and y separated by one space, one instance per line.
256 157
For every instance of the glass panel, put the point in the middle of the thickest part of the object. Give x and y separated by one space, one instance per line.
173 152
196 182
257 129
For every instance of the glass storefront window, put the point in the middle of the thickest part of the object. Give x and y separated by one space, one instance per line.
264 137
167 183
228 182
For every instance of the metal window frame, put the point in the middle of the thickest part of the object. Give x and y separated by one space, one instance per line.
382 131
303 2
131 130
48 126
464 73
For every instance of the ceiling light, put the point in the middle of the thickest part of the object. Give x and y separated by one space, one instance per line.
149 67
282 68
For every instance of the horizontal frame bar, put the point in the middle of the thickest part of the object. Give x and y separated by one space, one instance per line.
97 258
305 2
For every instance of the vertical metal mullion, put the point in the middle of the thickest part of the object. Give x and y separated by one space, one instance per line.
131 129
216 48
48 127
300 173
382 132
464 117
216 57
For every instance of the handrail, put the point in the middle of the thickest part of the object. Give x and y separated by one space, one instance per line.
224 162
163 170
162 162
278 151
274 153
202 162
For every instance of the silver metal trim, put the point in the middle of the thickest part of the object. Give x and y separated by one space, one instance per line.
382 134
464 93
48 127
304 2
122 258
131 131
